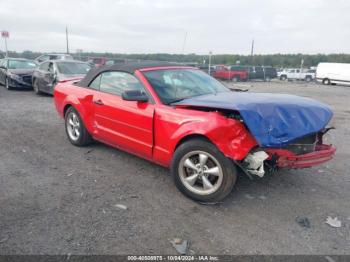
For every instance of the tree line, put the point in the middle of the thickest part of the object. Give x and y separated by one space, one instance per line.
276 60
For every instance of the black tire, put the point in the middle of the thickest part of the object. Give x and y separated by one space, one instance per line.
228 170
84 138
308 78
36 87
7 85
283 77
326 81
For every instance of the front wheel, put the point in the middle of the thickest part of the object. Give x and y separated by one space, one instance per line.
75 128
202 172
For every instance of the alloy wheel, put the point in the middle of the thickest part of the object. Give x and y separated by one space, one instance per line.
200 172
73 126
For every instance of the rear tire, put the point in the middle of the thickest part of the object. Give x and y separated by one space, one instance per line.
326 81
308 78
201 172
236 79
75 128
283 77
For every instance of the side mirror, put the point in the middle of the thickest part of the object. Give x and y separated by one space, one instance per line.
134 95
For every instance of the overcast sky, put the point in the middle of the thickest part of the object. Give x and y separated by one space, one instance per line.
155 26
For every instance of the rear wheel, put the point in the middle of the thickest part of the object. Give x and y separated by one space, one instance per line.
75 129
202 172
326 81
283 77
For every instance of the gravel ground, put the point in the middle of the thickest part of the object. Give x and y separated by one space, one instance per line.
59 199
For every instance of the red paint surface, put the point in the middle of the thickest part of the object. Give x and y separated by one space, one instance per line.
153 130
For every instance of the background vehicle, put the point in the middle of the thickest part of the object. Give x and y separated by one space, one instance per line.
17 72
182 118
333 73
265 73
2 55
297 74
50 72
98 61
230 73
47 57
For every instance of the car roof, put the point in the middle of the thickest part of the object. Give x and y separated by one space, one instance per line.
128 68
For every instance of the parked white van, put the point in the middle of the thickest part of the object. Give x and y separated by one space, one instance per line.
333 73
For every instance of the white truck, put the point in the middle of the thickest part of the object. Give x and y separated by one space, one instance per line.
297 74
333 73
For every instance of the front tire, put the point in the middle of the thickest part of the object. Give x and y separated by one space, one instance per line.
36 87
202 172
7 84
75 128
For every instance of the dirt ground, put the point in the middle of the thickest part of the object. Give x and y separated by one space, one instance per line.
59 199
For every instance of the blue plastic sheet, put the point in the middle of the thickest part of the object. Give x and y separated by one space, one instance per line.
275 120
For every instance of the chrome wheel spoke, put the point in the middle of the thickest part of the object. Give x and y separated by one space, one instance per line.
202 159
188 163
213 171
192 179
206 183
70 121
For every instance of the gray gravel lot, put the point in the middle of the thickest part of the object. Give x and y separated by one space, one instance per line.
58 199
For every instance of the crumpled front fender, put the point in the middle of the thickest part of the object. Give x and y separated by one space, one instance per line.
229 135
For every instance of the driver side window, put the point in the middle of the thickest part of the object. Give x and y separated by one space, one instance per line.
115 82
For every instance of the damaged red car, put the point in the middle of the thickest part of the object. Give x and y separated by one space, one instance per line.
182 118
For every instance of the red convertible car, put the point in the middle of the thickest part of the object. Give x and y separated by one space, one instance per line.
182 118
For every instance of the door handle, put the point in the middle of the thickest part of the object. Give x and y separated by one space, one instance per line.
98 102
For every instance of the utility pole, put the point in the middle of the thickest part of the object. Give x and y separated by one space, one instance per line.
5 35
210 53
67 40
252 52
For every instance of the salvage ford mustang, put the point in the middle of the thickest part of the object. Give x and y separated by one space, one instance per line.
180 117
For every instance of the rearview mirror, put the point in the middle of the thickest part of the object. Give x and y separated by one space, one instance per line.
134 95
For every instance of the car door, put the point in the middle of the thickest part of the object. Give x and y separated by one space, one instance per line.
125 124
39 74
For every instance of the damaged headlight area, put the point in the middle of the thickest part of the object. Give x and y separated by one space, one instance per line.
303 152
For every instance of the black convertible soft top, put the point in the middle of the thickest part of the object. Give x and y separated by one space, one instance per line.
128 67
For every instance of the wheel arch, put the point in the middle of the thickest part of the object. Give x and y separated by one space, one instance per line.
189 137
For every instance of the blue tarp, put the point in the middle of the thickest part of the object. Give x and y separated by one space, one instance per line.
275 120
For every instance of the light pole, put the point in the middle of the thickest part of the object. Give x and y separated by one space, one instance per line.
210 54
5 35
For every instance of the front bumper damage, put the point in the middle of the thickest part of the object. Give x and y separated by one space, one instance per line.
306 152
286 159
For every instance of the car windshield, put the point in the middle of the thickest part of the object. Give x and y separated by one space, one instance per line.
69 68
22 64
174 85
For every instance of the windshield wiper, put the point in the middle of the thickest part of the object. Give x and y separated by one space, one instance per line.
176 101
